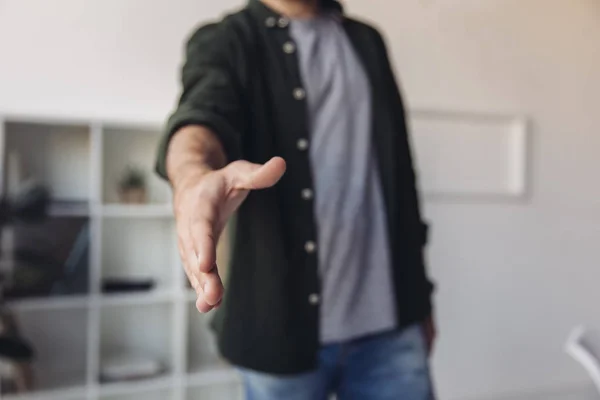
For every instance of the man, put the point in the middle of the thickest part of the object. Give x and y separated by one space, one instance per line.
327 290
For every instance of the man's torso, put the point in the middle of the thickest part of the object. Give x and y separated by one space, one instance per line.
240 81
354 265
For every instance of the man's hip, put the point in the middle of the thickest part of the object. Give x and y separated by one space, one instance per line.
388 366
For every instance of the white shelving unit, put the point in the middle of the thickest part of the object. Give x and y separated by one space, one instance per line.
81 162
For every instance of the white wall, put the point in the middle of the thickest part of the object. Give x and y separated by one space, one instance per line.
514 277
115 59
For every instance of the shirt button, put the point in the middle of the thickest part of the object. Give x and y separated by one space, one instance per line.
313 299
307 194
270 22
299 94
310 247
289 47
302 144
283 22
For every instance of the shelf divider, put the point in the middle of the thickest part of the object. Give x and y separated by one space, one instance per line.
93 351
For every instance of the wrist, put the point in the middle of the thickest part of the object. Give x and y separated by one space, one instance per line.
193 152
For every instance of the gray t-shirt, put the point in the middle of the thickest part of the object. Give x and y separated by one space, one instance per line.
354 256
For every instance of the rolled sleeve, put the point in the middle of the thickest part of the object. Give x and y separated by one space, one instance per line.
210 94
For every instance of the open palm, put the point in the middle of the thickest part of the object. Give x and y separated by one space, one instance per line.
202 209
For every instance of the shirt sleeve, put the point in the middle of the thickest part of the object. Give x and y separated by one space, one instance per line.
210 93
405 152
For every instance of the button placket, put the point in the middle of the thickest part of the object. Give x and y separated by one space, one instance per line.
311 247
302 144
299 94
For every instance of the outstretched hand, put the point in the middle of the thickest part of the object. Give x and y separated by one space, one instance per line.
203 205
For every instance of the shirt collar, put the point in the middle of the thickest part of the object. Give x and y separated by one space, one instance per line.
272 19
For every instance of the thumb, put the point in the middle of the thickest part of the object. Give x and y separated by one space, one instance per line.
245 175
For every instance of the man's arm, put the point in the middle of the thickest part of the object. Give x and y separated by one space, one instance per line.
201 137
193 151
209 101
192 148
206 192
412 195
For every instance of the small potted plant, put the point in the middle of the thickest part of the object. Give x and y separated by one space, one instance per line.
132 186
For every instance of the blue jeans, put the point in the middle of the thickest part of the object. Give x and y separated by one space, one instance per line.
390 366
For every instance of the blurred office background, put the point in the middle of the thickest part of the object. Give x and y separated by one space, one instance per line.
503 98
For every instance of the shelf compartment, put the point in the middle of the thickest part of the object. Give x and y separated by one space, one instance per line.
127 147
58 156
49 259
59 339
139 248
138 331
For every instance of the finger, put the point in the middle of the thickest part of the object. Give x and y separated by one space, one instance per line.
211 293
202 305
206 284
188 258
204 242
212 287
249 176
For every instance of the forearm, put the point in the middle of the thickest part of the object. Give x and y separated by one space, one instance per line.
193 151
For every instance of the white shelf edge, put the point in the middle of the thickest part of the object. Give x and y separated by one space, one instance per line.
49 303
135 298
146 127
136 386
54 394
84 301
136 211
219 374
69 210
66 119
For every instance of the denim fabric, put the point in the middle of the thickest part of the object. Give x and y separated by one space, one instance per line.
390 366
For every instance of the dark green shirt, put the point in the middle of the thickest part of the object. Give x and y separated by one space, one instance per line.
241 81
